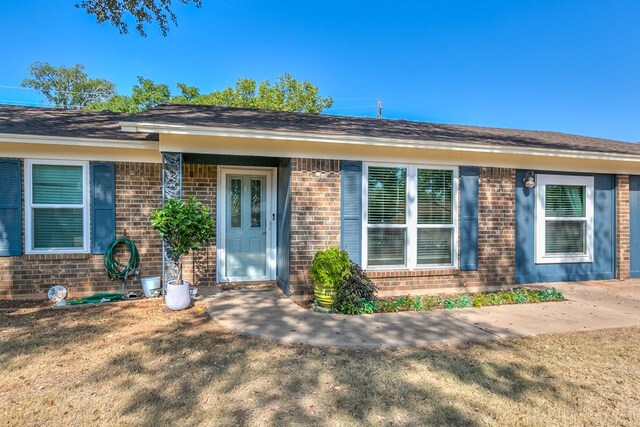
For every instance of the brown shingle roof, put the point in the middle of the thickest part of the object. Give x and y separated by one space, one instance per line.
22 120
106 125
359 126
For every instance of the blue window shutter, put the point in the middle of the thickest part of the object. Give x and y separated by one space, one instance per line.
11 208
469 177
351 209
634 225
103 206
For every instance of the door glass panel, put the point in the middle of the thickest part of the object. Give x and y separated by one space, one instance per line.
236 202
256 203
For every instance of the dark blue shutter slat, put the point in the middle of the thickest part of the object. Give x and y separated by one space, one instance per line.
351 210
103 206
11 208
469 177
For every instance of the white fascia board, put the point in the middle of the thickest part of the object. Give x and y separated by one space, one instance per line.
83 142
367 140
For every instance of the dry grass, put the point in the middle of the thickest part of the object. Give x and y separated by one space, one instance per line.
136 364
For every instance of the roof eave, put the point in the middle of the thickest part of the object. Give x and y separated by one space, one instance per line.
180 129
77 141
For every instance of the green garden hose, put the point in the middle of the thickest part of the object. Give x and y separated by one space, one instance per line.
117 269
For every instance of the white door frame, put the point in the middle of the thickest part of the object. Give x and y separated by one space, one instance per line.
271 199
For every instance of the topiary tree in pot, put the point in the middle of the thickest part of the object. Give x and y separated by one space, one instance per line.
184 225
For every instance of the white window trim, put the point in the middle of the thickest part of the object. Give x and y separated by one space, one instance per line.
29 206
411 225
540 224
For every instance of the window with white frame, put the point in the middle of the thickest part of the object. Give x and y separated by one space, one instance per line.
56 206
564 219
410 216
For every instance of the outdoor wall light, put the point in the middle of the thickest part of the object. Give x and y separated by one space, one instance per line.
528 180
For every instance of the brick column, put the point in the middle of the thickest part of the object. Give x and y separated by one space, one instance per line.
315 216
622 227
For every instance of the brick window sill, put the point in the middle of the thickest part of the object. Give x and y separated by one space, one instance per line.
36 257
383 274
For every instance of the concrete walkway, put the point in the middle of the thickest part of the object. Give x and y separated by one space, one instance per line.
271 315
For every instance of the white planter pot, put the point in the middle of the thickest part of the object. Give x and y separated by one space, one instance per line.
178 296
151 286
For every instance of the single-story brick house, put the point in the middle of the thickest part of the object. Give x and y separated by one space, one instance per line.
422 207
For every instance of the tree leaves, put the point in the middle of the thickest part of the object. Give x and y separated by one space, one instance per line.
142 11
68 87
286 94
145 94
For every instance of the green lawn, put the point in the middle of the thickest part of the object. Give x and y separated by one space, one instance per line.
136 364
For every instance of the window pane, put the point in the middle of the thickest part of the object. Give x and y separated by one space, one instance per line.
256 203
565 201
387 195
386 246
53 184
565 237
57 228
435 196
434 246
236 202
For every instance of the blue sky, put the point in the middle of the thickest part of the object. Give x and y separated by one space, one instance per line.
564 65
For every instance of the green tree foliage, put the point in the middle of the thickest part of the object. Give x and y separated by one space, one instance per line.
144 95
68 87
286 94
185 225
142 11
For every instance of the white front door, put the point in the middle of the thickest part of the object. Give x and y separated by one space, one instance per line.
246 228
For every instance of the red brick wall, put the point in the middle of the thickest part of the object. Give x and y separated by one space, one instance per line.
201 181
138 192
315 216
622 229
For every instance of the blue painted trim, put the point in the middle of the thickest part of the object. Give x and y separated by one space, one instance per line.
469 182
230 160
103 206
603 265
11 207
283 244
351 209
634 226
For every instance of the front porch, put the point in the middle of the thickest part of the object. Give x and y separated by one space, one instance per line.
244 194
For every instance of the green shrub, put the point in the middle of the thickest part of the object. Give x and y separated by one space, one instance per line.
550 295
516 296
457 301
356 294
329 268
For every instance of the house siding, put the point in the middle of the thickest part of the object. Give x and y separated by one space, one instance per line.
604 259
634 226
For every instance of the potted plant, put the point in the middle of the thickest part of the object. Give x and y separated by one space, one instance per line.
329 268
184 225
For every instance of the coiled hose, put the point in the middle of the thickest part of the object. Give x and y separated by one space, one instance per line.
117 269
